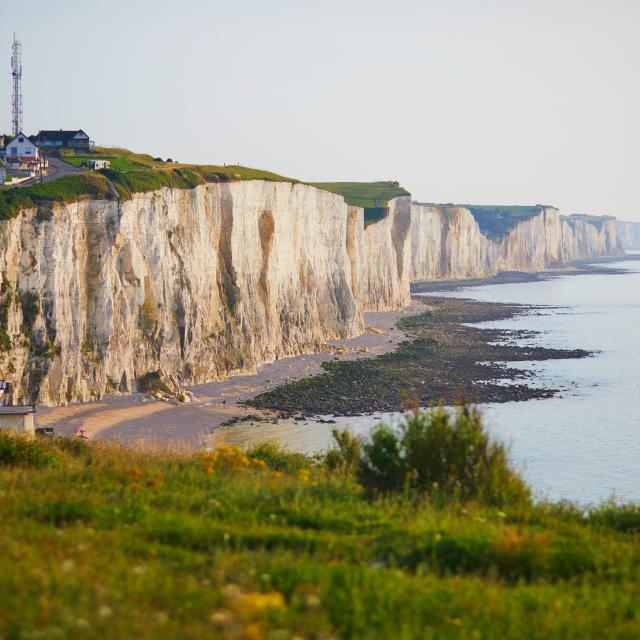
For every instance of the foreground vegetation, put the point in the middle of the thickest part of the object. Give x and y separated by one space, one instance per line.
421 533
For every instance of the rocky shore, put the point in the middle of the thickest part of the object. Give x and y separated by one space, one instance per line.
442 359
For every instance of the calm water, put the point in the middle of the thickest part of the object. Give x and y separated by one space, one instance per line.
583 445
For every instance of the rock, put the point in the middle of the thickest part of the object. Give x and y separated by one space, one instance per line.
379 332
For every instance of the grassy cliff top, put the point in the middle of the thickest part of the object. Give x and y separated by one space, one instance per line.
373 197
496 221
103 542
364 194
132 172
129 173
596 221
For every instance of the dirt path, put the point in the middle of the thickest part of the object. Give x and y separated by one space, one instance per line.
134 419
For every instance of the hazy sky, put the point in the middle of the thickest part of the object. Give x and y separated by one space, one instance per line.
461 101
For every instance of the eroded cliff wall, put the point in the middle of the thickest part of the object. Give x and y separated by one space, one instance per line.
447 243
217 279
199 282
386 259
629 234
586 237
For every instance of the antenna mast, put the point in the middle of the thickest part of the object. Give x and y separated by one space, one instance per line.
16 100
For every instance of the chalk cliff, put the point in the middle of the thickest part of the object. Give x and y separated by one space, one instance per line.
447 243
629 234
200 282
219 278
589 237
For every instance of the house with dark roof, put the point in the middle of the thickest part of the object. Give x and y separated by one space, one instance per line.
61 139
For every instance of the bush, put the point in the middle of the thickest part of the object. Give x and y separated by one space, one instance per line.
619 517
347 454
277 458
444 455
17 450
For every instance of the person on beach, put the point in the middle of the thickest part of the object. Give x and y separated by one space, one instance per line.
81 433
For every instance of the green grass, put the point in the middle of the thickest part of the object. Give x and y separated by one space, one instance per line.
129 173
64 190
496 221
117 162
101 542
373 197
132 172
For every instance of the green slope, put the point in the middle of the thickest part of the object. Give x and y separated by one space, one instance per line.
496 221
373 197
130 173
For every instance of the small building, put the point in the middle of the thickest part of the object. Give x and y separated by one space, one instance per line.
18 419
77 140
21 148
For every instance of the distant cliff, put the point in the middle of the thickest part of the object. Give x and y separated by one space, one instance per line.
629 234
447 242
589 237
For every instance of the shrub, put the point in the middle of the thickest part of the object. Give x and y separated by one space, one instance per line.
17 450
347 453
76 447
445 455
277 458
619 517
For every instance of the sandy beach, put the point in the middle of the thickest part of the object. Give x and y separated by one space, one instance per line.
136 419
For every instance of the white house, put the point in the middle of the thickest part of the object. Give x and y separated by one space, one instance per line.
21 147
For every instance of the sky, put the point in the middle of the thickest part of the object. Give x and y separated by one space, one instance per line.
465 101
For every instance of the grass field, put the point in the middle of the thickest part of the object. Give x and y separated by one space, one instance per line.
373 197
132 172
101 542
129 173
496 221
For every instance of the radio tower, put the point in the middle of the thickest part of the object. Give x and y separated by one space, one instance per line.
16 72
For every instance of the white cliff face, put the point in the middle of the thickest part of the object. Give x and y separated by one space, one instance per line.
218 279
532 245
585 237
629 234
199 282
447 243
386 259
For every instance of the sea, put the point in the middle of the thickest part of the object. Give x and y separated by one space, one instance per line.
583 445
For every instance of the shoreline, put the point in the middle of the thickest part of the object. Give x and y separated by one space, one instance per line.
443 360
137 420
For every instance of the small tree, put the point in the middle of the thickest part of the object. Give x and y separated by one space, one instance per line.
443 454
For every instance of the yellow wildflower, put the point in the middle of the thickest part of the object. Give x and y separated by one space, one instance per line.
255 603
